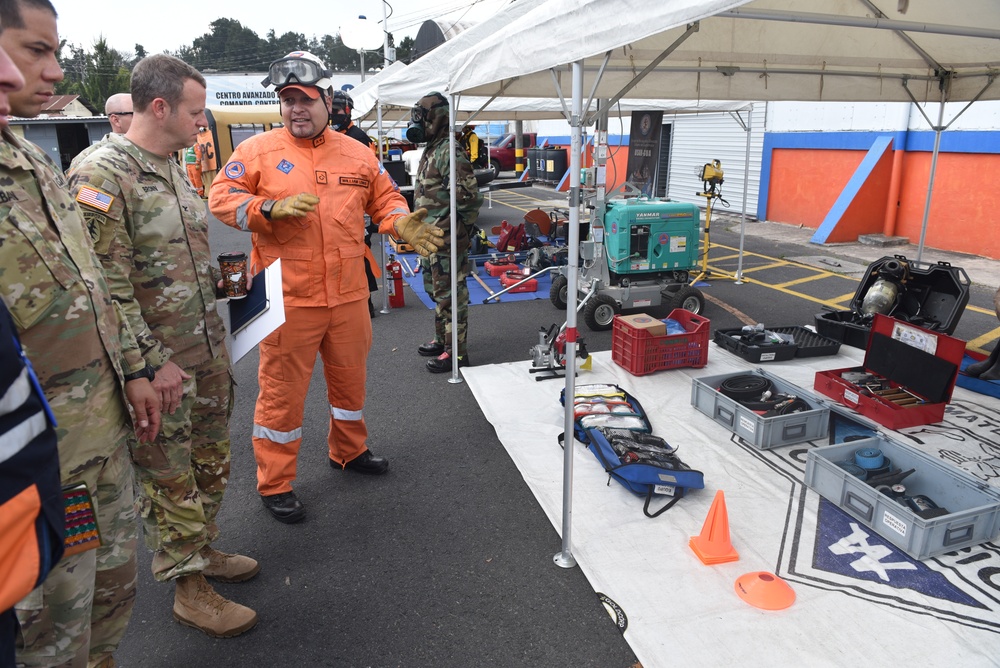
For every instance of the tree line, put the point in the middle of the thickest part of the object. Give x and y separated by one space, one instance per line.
229 46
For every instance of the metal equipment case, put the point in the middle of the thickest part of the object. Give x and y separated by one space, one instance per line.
929 376
934 297
763 433
974 507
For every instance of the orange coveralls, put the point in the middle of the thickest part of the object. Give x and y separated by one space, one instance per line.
323 280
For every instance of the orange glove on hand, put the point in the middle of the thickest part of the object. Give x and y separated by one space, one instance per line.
424 237
294 207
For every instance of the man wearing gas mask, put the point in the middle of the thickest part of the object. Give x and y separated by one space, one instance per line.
303 191
340 119
429 123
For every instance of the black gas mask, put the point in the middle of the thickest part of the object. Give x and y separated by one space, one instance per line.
416 132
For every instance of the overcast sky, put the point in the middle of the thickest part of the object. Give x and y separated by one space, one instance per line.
160 26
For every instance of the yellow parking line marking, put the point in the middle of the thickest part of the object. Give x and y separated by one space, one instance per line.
799 281
772 265
980 341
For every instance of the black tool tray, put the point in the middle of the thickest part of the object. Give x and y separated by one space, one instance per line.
934 297
807 344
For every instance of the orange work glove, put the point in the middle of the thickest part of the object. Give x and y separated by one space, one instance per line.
424 237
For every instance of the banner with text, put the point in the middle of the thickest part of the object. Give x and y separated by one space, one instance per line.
644 150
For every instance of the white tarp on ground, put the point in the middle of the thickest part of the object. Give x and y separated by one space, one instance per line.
859 600
792 50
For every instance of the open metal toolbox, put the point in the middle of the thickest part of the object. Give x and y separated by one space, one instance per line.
969 509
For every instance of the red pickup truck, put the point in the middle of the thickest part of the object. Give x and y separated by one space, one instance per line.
502 157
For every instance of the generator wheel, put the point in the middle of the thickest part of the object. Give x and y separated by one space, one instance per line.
558 292
600 313
689 299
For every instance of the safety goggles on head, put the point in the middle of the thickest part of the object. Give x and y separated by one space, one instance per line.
295 70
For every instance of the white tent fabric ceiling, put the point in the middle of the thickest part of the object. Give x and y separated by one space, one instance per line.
820 50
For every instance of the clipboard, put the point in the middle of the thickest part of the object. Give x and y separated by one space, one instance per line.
244 311
254 317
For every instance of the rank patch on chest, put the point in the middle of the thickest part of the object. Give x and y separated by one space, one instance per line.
321 178
319 141
354 181
285 166
94 198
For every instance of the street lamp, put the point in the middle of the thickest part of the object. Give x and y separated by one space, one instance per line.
363 35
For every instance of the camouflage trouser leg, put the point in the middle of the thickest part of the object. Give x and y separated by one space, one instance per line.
437 282
182 475
84 605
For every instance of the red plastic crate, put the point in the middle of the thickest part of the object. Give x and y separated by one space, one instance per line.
639 352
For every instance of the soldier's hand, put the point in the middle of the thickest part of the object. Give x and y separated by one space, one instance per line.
145 403
169 382
295 206
424 237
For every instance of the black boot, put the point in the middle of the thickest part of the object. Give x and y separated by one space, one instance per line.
988 369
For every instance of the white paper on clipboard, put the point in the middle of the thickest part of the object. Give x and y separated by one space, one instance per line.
247 338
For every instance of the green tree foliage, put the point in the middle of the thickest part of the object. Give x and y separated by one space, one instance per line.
94 75
229 46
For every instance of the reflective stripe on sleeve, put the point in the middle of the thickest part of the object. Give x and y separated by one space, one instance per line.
277 436
16 394
16 439
242 219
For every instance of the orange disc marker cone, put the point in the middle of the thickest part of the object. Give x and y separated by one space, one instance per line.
713 546
765 591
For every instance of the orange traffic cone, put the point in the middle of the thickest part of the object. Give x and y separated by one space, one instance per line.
713 546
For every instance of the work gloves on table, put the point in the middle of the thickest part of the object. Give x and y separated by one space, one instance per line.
424 237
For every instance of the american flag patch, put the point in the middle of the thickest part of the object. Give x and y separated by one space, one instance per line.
95 198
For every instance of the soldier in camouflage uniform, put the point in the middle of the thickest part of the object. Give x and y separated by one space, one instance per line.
150 231
429 124
88 364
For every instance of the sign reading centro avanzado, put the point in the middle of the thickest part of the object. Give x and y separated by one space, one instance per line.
245 90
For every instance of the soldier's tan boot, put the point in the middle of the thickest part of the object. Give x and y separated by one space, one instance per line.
198 605
228 567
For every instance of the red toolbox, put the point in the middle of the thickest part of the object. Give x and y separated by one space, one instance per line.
499 267
927 295
907 378
509 278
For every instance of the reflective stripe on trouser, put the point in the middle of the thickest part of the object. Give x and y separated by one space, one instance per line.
342 335
437 283
84 605
182 474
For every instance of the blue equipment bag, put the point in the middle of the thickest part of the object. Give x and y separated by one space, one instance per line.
618 434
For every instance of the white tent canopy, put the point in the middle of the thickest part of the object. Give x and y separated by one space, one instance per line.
821 50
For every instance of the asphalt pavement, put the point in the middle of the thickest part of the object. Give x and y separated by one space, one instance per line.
447 560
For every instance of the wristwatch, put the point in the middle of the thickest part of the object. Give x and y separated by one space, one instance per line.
146 372
265 208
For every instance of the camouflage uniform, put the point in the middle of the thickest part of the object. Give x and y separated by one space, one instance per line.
150 231
62 307
82 155
432 192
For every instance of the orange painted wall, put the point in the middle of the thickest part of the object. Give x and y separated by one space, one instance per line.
805 183
866 212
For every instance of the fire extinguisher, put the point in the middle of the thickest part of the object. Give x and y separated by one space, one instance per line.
395 271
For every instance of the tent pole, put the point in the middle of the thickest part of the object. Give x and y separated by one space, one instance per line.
564 558
930 183
746 181
453 193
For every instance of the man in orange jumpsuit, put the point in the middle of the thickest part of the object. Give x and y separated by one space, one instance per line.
303 191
